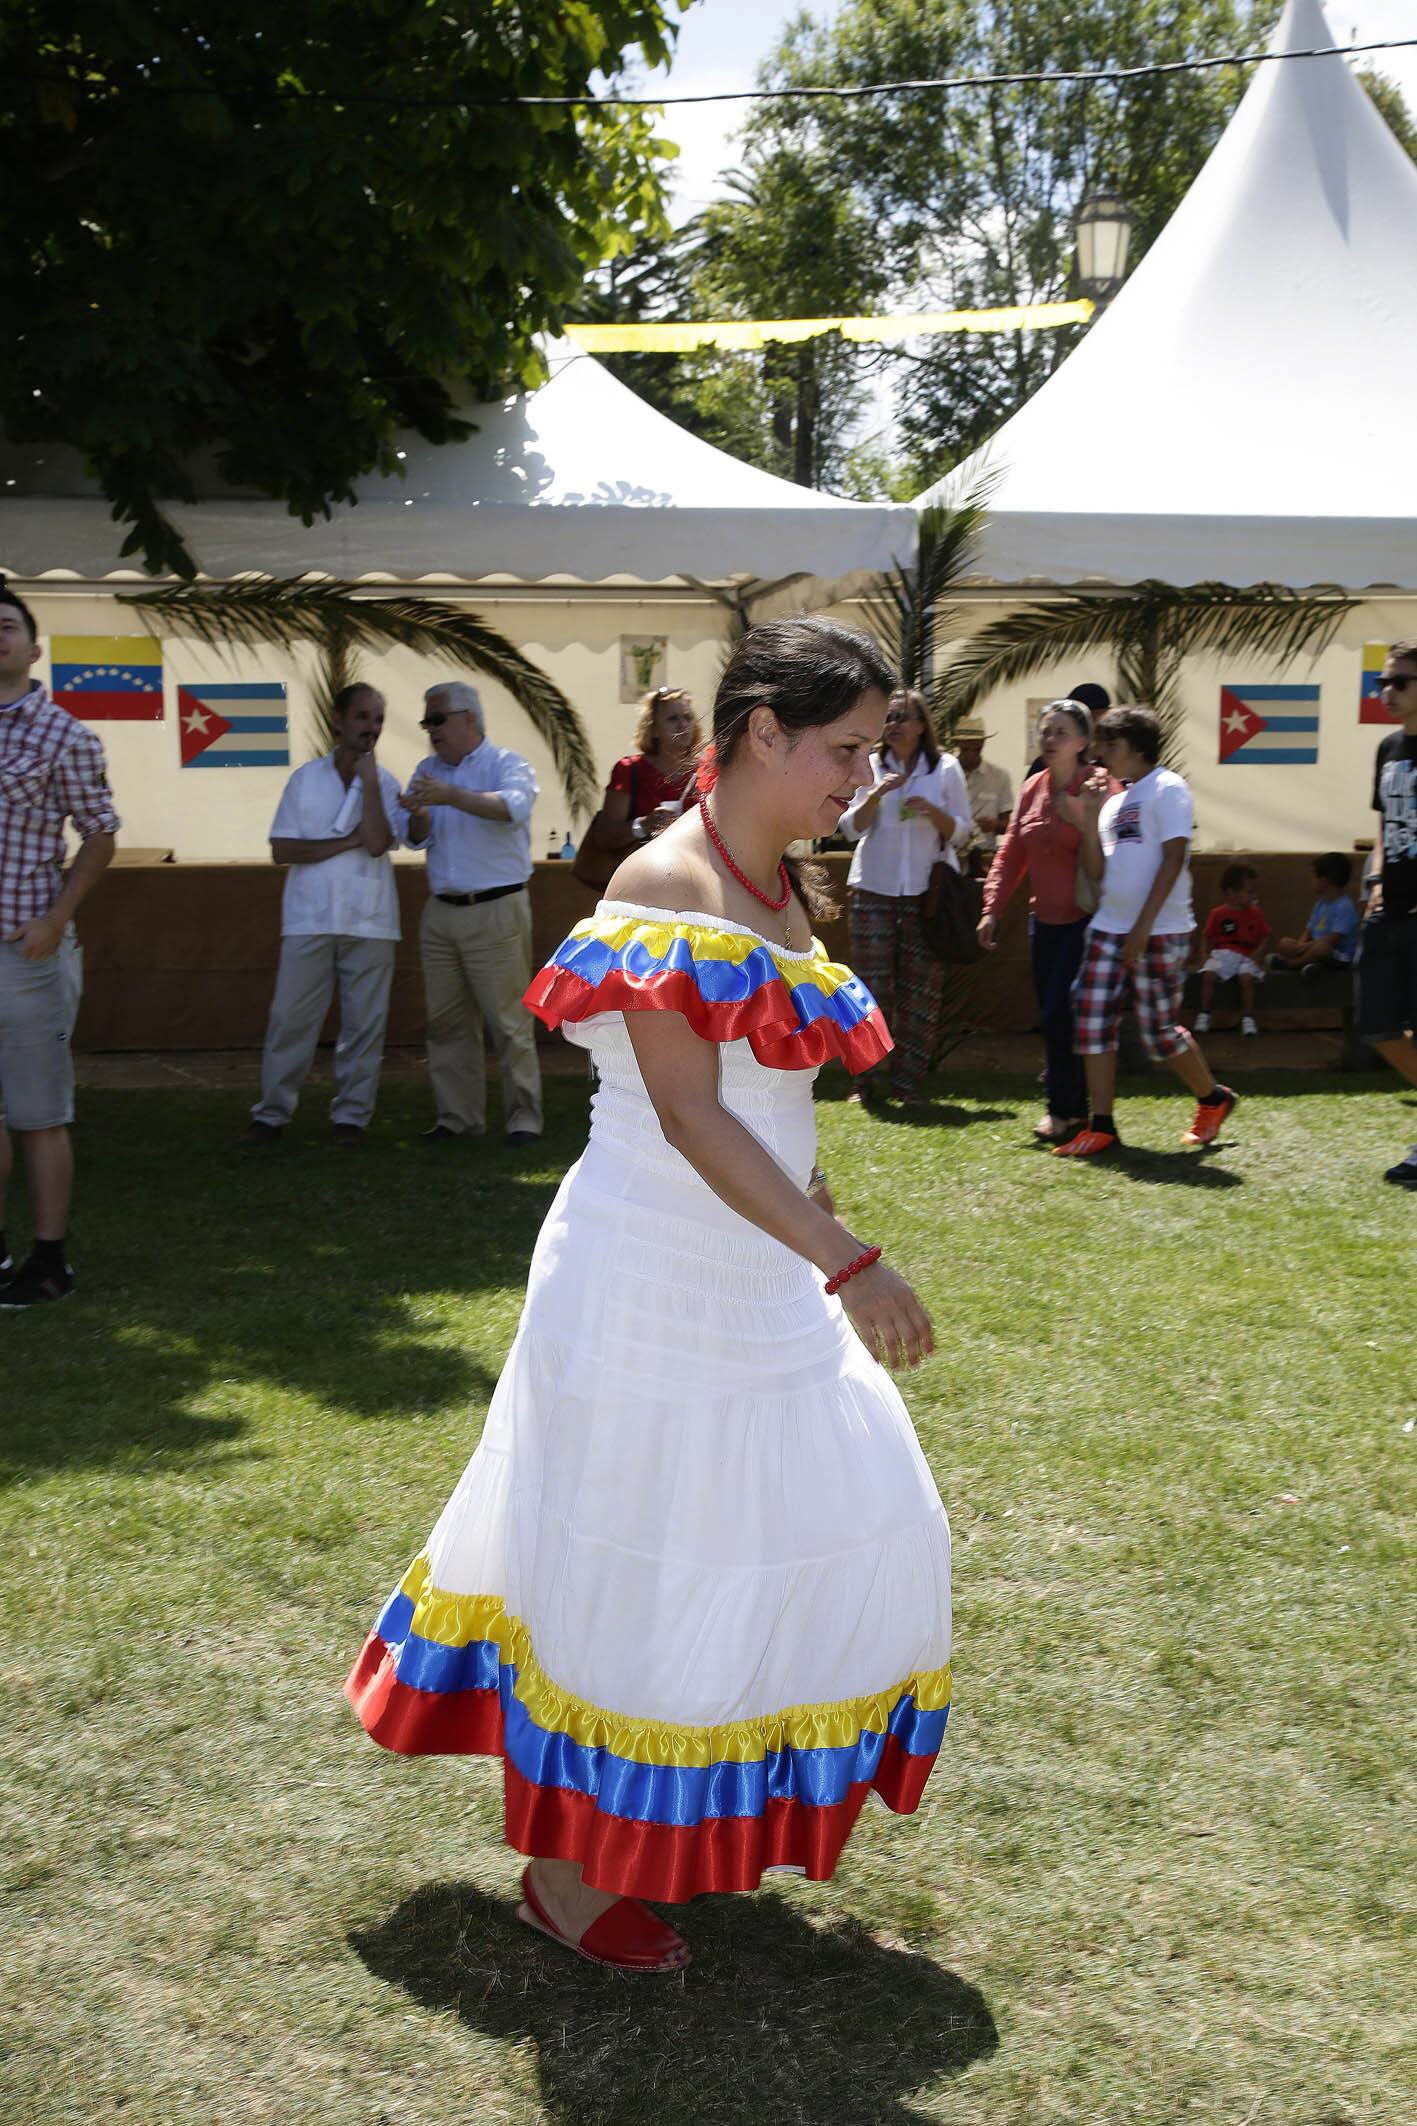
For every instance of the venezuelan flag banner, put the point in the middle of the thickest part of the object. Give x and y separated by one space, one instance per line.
1263 726
240 724
108 678
1370 697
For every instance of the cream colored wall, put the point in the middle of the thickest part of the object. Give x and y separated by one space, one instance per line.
224 815
215 816
1327 806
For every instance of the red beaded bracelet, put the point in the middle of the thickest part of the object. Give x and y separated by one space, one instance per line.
862 1262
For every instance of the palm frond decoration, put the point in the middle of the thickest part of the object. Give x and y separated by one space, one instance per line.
907 611
1146 632
338 621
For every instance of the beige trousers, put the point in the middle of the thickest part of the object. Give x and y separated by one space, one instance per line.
310 969
476 966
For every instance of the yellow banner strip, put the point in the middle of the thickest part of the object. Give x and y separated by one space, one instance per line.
741 334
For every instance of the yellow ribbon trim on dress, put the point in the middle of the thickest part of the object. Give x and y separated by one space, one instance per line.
457 1620
708 944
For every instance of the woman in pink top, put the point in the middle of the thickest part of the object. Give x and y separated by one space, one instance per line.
1043 839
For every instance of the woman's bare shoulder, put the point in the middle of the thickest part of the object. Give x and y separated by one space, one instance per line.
670 873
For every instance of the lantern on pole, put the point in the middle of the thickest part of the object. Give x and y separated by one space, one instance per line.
1103 234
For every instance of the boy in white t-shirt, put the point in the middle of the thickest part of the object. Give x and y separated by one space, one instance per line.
1136 844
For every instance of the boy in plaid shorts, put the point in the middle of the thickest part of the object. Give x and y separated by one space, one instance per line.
1136 843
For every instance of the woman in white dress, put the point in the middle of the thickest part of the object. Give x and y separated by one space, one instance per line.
693 1587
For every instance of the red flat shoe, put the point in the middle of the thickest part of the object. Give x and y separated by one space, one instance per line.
627 1936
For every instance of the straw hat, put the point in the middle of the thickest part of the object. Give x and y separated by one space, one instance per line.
970 727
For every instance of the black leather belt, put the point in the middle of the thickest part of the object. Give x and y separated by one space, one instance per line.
473 900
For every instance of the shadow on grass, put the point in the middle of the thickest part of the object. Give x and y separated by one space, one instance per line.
774 2019
1182 1169
206 1273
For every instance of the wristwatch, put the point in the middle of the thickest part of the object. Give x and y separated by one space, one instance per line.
639 829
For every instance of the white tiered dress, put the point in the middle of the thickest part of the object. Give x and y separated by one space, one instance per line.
694 1585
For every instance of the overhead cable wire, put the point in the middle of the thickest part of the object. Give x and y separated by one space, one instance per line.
800 92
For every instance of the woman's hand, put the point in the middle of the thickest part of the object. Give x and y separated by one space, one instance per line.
888 783
887 1316
984 931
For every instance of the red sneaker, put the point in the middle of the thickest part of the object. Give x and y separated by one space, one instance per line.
1211 1117
1087 1144
627 1935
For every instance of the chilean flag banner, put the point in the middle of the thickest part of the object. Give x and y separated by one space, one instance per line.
239 725
107 678
1264 726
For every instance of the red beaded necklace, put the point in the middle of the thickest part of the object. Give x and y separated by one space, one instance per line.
742 877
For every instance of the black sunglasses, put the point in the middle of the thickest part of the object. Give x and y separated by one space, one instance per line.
1400 681
436 721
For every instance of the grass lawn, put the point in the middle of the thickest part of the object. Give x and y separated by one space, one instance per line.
1164 1869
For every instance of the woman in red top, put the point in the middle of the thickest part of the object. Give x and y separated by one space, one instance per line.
653 784
1042 841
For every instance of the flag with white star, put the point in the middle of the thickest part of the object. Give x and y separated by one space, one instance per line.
1269 726
242 724
107 678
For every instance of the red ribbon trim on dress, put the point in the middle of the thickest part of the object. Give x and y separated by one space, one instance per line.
768 1020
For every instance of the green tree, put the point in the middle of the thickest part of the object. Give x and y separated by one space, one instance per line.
270 236
1392 106
787 241
973 193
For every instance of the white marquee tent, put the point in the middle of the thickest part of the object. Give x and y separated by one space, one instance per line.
580 479
1246 410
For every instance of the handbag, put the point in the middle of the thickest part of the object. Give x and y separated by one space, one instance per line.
949 916
595 867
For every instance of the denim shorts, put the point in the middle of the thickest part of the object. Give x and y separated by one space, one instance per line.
1385 977
39 1001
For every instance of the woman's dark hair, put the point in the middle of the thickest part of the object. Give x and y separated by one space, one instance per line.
1136 727
1236 875
8 597
808 672
1335 867
929 743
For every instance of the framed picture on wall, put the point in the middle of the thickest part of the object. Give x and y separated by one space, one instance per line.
644 665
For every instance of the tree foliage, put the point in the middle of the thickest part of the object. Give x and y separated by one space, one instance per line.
786 241
270 236
974 193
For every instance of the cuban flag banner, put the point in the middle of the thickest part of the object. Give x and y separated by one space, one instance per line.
107 678
1269 726
1370 698
238 725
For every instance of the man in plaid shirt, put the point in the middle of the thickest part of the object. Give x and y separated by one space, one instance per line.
51 769
1137 844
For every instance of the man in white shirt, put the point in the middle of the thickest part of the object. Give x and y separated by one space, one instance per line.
991 793
1137 843
470 808
337 819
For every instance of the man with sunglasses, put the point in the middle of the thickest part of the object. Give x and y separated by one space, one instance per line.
470 806
1386 975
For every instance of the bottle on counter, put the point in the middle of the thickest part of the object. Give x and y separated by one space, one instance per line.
568 849
553 848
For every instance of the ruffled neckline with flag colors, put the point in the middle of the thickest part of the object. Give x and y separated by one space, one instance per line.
796 1010
655 1808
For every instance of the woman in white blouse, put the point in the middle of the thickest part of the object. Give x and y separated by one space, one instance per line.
916 813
